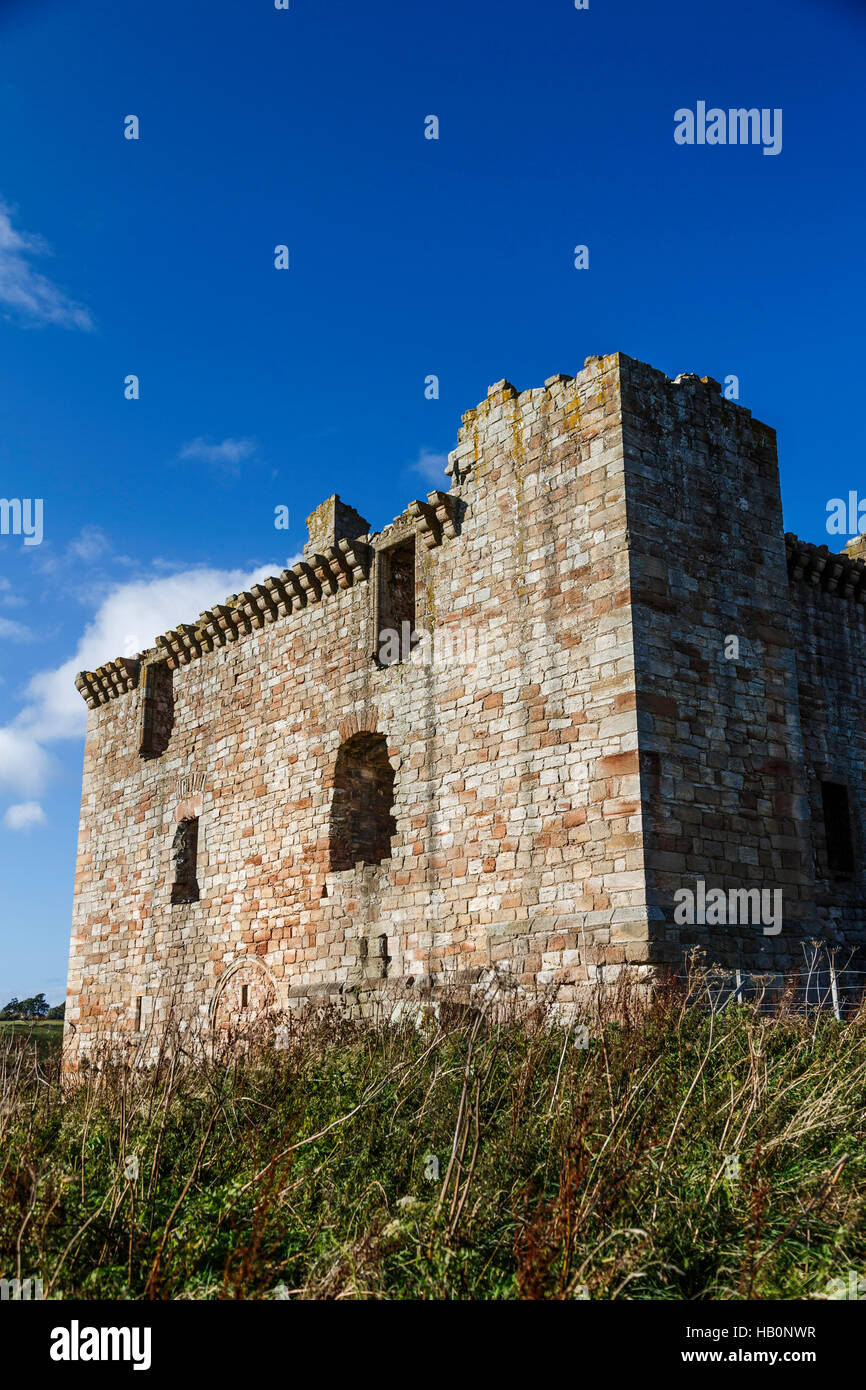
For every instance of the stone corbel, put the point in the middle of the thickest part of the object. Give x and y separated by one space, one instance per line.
446 506
295 590
309 581
427 523
324 574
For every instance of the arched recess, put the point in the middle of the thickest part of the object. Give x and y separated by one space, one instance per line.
246 994
362 822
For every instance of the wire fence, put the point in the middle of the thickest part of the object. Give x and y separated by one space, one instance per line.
822 983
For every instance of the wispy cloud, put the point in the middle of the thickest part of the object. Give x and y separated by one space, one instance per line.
89 544
24 816
28 296
226 455
14 632
8 597
431 467
78 561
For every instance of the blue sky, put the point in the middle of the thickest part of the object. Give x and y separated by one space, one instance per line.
408 257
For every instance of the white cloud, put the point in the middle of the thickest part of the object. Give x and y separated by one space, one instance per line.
32 297
431 466
24 765
127 622
23 816
14 632
226 455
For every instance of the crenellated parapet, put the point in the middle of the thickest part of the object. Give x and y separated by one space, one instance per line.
333 562
841 574
309 581
436 518
108 681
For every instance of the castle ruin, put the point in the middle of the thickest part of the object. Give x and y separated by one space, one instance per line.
491 742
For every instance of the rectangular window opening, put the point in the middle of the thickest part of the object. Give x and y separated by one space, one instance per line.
156 714
396 634
837 828
184 856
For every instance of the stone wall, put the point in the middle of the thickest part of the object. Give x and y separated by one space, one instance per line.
829 634
721 747
517 817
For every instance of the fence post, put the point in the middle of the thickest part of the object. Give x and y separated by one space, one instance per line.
833 990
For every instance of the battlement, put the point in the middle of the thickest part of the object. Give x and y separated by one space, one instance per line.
336 567
340 545
842 573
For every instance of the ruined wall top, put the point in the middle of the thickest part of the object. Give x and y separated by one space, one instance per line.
337 555
333 521
576 394
340 546
842 573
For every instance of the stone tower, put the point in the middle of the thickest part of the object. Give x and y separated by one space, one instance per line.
491 744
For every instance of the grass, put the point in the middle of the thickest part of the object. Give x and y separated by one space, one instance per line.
47 1033
49 1028
468 1158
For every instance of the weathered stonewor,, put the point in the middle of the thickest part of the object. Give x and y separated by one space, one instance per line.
279 807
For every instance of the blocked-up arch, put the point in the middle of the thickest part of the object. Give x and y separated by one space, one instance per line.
362 822
245 993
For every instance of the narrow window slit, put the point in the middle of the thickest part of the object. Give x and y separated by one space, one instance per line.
396 635
184 853
837 828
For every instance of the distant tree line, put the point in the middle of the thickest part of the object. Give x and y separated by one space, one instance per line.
37 1007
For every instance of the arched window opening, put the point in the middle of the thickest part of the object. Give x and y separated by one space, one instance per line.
361 819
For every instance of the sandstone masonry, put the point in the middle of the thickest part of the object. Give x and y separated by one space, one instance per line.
490 742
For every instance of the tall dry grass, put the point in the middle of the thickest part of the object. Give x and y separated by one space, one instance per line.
680 1154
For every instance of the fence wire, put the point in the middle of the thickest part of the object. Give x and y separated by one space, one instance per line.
815 986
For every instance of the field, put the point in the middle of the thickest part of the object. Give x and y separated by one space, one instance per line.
46 1033
664 1153
43 1029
